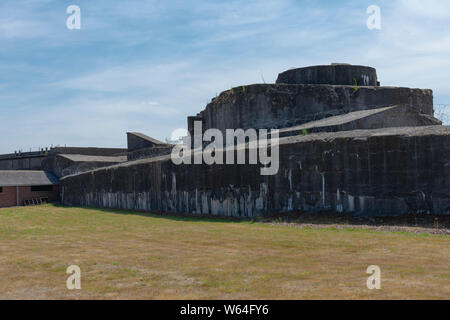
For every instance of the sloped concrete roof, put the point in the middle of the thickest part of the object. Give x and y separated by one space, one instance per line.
387 117
145 137
10 178
85 158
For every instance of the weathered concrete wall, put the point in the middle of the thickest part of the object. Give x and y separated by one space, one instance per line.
137 141
370 172
149 153
24 163
62 165
388 117
56 164
34 160
280 105
337 74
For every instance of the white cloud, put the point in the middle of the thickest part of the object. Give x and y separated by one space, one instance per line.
125 77
195 52
138 97
412 49
427 9
21 29
125 107
87 121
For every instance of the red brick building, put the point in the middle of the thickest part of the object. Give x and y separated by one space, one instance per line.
18 188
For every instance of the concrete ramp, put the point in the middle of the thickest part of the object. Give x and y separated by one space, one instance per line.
388 117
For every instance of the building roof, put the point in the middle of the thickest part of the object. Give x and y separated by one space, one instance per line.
85 158
9 178
145 137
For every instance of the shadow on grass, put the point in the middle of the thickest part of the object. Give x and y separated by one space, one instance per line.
162 215
409 220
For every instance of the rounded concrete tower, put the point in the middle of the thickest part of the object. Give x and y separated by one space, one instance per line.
334 74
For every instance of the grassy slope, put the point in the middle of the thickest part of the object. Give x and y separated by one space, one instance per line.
130 255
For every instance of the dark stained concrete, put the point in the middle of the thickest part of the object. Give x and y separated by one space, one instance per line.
281 105
65 164
137 141
369 172
388 117
149 152
336 74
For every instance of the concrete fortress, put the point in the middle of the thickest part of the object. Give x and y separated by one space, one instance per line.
348 146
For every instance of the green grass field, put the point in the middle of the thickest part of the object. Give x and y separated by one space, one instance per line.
126 255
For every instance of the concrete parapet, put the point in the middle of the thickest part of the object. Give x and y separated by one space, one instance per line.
336 74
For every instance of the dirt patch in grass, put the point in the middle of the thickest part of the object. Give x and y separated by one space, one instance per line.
362 227
417 223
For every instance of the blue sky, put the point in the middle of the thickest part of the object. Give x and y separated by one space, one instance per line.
146 65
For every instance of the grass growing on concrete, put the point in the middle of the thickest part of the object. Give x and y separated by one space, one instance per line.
136 256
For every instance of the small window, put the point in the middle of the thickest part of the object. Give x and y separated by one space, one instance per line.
1 189
41 188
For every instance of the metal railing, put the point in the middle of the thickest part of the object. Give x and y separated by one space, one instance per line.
442 112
